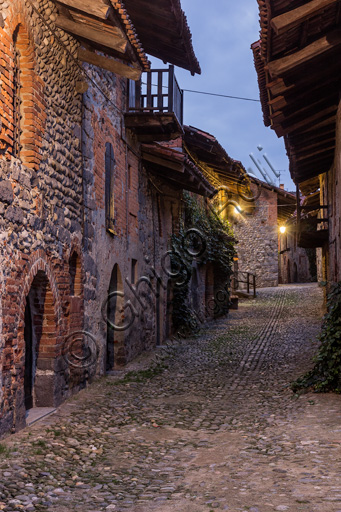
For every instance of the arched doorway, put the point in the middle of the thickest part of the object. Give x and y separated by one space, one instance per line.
115 311
40 338
295 279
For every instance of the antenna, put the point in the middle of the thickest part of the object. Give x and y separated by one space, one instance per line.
277 174
263 173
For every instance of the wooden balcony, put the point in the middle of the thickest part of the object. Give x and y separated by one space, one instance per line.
155 106
313 231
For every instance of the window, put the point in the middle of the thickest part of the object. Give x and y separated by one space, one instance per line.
109 188
16 99
129 177
133 271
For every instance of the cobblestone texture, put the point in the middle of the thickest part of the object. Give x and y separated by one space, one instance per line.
218 429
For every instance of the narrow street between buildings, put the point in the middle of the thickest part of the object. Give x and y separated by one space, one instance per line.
214 427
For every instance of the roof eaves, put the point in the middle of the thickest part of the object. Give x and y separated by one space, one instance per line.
131 33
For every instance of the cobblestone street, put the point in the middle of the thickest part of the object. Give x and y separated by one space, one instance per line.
217 429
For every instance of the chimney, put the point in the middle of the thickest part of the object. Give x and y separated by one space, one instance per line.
281 186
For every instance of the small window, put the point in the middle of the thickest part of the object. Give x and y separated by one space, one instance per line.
129 177
109 188
133 271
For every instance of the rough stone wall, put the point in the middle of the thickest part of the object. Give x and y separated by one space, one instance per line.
331 195
294 266
146 213
103 123
40 199
257 233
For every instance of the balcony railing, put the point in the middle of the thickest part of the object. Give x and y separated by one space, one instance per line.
243 282
312 230
157 92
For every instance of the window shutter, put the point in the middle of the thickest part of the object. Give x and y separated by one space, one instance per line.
109 187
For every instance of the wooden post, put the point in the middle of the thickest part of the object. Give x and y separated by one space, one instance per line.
171 89
182 107
138 95
248 283
298 201
159 91
149 90
254 285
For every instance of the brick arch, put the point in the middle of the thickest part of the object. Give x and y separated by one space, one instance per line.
38 262
32 91
41 324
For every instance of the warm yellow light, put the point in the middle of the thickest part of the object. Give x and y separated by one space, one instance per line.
282 229
237 209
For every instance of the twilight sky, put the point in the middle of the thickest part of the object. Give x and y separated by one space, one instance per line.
222 34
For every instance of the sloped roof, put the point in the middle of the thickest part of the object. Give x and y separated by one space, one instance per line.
208 150
176 166
164 32
298 66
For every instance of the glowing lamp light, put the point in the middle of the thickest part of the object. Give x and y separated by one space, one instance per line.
237 209
282 229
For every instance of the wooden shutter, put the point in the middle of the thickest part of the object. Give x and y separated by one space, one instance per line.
109 187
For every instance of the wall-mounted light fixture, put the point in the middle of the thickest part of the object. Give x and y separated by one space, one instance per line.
283 229
237 208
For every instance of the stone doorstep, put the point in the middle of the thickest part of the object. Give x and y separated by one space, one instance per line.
37 413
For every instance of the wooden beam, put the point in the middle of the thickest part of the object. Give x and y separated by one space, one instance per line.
163 162
315 153
295 17
97 8
109 64
301 151
306 124
290 62
294 112
110 38
316 138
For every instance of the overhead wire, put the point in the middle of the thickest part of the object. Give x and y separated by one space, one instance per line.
221 95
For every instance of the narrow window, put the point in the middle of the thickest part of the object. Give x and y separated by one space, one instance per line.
129 177
16 99
109 187
133 271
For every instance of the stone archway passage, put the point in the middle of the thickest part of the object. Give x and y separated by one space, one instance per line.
40 336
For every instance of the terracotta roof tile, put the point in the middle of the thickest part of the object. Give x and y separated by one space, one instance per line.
131 32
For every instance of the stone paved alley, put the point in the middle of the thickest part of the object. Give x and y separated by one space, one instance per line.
218 429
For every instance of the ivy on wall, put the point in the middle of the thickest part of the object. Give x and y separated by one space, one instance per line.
215 244
326 374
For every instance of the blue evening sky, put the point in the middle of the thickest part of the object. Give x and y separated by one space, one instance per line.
222 34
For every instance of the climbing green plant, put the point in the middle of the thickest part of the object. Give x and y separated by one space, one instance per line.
218 247
326 374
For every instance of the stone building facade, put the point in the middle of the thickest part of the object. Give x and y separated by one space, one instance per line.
85 213
41 212
287 67
256 230
256 212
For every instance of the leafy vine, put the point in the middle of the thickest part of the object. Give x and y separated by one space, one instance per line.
326 374
215 245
